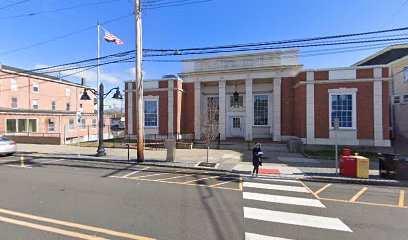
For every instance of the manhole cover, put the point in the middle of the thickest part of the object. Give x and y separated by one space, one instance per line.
204 164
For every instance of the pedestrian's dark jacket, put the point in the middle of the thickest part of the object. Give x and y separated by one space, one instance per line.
255 156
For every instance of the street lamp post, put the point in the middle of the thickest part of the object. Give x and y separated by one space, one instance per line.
101 96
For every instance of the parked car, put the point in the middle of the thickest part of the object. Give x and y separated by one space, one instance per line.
7 146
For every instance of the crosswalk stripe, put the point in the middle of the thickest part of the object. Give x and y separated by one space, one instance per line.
272 179
295 219
253 236
283 199
275 187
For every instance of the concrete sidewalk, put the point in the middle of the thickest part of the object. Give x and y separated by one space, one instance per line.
238 160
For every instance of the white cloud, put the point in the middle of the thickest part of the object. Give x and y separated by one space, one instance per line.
132 73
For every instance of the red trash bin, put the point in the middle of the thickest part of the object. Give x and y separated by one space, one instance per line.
348 166
346 152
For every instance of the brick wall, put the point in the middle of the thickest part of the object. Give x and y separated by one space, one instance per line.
287 105
187 106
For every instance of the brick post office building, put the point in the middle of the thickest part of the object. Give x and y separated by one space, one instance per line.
269 95
36 108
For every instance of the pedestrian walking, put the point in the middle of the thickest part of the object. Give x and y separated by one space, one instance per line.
256 158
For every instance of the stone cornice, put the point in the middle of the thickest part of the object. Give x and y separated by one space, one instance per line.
340 81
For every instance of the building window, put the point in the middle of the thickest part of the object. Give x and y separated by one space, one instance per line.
36 87
53 105
13 102
342 108
11 125
83 123
405 98
150 111
68 108
240 102
35 104
68 92
261 110
397 99
13 83
405 70
32 125
51 125
21 125
71 124
93 123
81 109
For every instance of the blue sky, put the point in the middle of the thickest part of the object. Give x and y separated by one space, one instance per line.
218 22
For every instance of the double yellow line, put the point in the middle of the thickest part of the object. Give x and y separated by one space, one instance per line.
65 224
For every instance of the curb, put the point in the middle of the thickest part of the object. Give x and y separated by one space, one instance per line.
132 161
379 182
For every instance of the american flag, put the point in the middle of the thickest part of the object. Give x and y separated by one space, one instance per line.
109 37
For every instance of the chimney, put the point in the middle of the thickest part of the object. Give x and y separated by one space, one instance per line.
83 81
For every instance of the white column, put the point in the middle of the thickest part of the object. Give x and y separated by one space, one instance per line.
249 112
378 108
221 95
310 113
170 107
197 109
130 107
277 109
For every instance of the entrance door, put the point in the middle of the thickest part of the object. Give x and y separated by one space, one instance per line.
236 127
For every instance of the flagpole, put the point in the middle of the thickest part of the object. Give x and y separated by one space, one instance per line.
98 71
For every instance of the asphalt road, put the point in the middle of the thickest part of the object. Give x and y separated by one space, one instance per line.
65 199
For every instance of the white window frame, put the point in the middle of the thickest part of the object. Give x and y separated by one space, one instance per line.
36 85
16 107
13 84
156 99
83 123
344 91
403 99
17 120
48 127
53 105
68 92
94 124
71 127
269 119
405 74
38 104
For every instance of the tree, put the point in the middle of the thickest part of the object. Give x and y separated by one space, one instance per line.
210 124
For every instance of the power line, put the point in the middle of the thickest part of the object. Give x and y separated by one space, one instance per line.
62 36
180 52
296 40
31 14
151 7
395 13
13 4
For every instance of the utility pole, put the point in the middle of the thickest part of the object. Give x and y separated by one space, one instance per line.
139 83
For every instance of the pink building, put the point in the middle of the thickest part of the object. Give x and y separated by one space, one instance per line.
36 108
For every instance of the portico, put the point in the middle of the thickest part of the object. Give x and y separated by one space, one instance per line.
255 78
